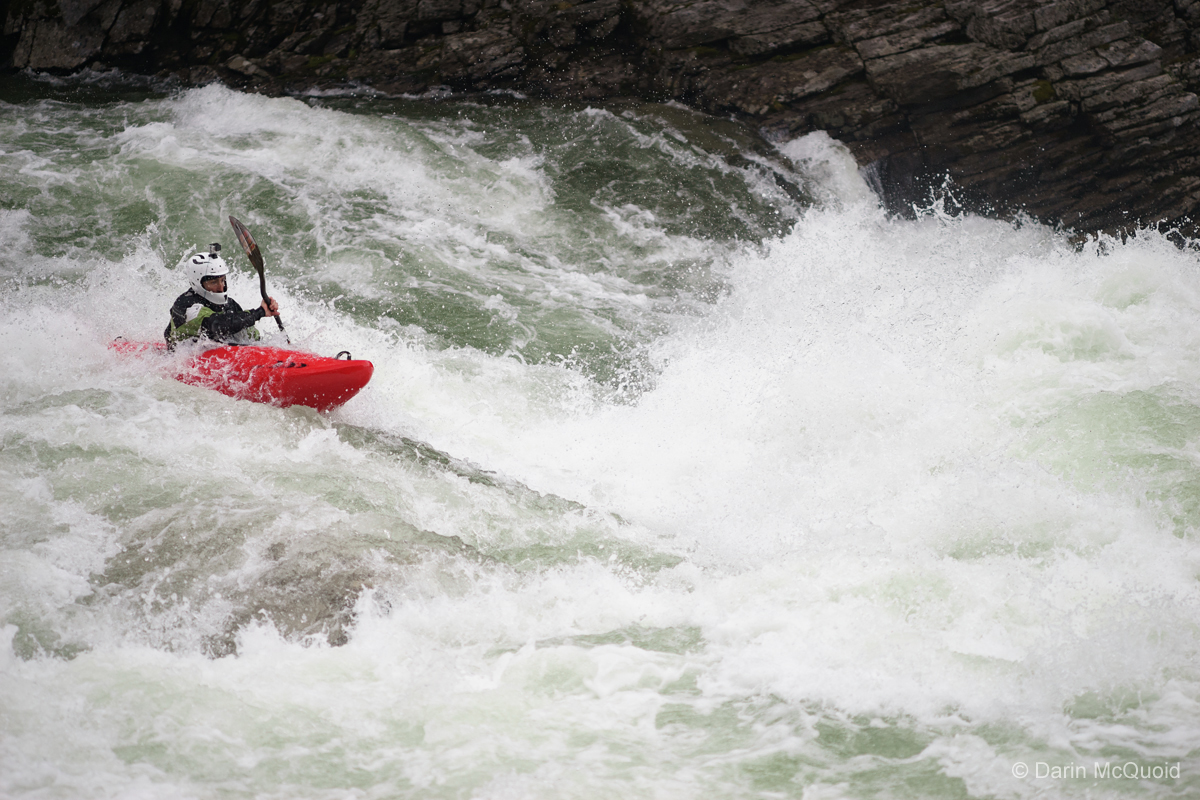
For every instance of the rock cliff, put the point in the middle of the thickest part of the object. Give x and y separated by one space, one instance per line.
1079 112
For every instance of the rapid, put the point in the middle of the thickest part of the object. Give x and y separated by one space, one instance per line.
685 471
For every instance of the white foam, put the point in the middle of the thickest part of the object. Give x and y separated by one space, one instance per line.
853 435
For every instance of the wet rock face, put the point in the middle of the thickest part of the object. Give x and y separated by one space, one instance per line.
1082 112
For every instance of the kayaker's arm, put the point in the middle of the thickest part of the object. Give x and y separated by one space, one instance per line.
222 326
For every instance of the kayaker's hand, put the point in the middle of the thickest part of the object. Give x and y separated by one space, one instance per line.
271 310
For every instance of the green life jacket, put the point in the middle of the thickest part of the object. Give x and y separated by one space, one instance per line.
189 329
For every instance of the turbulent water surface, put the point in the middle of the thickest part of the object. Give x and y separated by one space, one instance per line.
685 471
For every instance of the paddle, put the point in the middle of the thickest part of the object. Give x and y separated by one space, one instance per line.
256 259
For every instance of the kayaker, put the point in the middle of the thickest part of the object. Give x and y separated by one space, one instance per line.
205 310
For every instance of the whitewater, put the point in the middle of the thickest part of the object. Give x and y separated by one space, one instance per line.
686 470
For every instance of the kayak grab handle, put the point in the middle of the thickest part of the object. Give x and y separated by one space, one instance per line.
345 353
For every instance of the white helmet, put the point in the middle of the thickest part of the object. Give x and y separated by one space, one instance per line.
207 265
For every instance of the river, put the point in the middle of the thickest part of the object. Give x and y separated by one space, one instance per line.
685 471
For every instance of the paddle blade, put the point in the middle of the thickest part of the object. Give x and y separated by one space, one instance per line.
248 244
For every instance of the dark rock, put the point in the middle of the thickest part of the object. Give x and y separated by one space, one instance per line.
936 73
51 44
758 89
677 25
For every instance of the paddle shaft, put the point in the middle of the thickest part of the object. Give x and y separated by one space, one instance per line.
262 285
255 256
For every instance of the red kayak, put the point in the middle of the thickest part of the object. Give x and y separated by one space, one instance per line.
269 375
